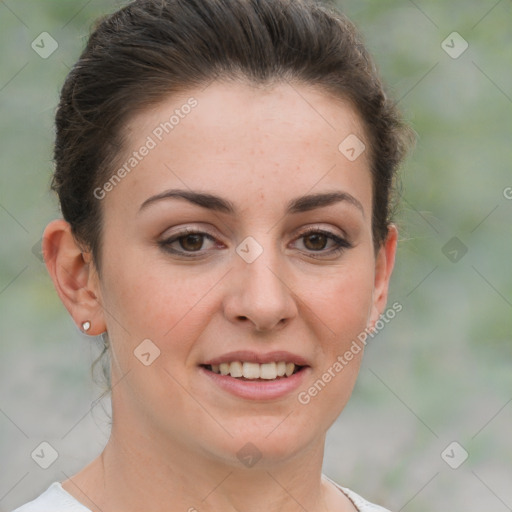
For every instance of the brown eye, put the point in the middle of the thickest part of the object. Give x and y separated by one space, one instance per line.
188 243
315 241
192 242
318 243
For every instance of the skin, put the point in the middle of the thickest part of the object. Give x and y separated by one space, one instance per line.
175 435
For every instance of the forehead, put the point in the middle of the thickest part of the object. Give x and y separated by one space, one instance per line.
280 140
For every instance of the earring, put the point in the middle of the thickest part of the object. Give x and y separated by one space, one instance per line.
86 325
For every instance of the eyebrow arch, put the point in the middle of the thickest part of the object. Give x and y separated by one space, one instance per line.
216 203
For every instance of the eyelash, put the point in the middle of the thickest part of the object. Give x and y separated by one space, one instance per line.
341 244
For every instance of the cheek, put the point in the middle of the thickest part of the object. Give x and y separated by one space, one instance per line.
157 301
342 301
167 306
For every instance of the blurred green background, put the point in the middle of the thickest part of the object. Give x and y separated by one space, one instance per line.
439 372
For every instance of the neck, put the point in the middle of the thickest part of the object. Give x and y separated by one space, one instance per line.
154 470
141 476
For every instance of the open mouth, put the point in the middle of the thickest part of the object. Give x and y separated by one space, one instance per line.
256 372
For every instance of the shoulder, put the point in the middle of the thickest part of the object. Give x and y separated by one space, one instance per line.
359 502
56 499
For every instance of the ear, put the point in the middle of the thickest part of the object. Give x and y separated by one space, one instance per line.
384 264
74 276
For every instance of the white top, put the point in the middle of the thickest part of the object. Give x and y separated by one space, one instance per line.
57 499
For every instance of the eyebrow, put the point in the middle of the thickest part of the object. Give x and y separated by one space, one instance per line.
219 204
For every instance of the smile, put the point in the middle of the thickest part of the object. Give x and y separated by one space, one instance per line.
254 371
257 388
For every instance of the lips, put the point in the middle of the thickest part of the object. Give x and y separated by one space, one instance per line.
256 357
257 389
252 367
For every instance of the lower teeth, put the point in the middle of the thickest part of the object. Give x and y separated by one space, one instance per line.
298 368
262 380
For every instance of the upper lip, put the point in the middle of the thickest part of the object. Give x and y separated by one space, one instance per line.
257 357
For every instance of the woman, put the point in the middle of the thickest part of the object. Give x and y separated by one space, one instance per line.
224 169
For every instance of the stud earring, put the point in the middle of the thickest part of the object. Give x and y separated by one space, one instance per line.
86 326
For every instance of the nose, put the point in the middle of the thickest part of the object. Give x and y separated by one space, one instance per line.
259 293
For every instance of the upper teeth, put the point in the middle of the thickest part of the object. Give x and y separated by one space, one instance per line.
267 371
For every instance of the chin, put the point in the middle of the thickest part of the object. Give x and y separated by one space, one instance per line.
265 444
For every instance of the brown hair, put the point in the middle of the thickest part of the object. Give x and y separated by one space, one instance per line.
150 49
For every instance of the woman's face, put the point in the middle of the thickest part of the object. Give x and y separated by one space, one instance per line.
271 276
